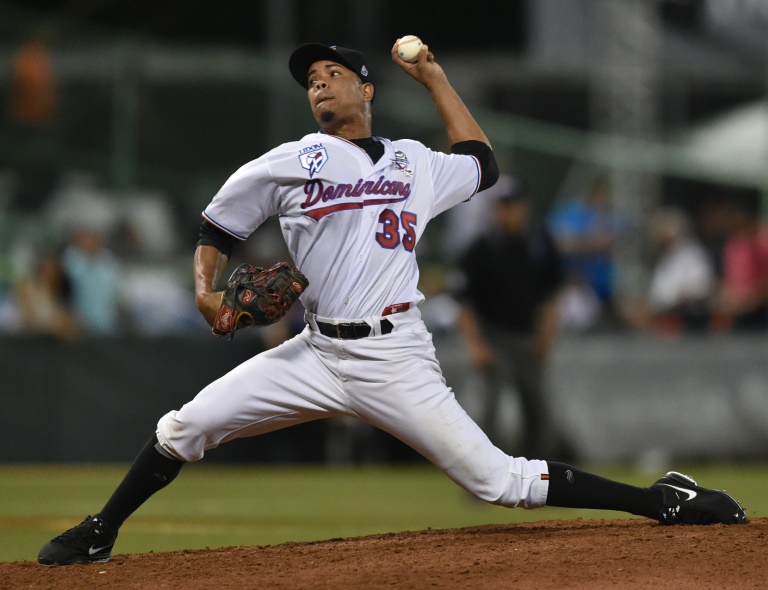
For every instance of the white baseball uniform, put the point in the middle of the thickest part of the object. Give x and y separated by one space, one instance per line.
351 226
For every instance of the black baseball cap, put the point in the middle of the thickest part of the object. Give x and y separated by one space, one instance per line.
307 54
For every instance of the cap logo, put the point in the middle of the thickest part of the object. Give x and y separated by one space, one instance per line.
364 71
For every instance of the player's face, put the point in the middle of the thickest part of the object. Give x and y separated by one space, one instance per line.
336 94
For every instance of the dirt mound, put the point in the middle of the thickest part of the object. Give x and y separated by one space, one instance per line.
548 554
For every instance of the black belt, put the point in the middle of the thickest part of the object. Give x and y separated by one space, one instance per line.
352 330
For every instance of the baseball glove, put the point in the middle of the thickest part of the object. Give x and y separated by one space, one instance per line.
258 297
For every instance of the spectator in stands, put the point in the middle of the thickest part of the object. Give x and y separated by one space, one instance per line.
508 317
743 298
711 223
94 273
44 301
683 279
584 229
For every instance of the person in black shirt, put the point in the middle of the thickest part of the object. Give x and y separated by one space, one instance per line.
508 319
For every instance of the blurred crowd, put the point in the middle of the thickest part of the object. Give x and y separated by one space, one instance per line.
79 258
706 266
84 260
87 261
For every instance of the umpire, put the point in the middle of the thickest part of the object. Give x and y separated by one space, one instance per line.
509 338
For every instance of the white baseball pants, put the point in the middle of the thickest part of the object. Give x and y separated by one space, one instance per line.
392 382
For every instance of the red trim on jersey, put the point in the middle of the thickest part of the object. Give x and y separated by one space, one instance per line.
368 202
321 212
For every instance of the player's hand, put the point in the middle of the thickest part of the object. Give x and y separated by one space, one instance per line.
425 70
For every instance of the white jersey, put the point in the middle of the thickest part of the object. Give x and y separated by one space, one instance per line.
351 225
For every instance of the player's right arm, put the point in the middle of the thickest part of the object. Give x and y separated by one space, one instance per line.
459 123
464 133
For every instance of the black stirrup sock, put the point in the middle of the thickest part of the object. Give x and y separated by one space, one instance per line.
571 488
151 471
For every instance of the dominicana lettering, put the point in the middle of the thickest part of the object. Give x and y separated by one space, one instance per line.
317 192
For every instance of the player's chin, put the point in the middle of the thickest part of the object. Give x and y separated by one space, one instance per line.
325 116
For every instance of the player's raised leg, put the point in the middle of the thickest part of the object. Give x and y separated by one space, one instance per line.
408 398
423 412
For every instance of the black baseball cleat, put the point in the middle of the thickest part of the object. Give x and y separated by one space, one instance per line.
89 542
684 502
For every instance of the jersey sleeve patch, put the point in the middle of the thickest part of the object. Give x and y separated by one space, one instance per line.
313 158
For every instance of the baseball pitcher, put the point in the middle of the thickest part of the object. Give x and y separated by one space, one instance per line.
352 207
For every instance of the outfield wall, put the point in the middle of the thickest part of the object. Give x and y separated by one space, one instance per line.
651 400
616 398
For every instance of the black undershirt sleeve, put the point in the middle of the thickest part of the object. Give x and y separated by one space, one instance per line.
210 235
489 169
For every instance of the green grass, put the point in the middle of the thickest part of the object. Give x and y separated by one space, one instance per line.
213 506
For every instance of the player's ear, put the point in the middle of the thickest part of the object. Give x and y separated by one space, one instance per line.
368 91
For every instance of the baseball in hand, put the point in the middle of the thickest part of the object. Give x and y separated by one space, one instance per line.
408 48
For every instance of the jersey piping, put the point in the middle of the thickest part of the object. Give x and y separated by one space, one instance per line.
223 228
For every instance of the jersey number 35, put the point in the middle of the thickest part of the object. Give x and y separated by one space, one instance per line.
389 236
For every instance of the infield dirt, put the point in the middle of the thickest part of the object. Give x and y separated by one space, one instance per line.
569 554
